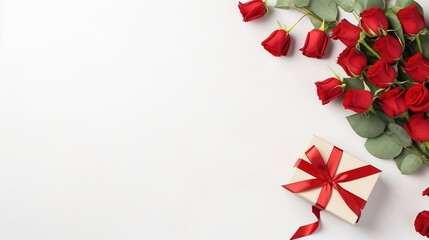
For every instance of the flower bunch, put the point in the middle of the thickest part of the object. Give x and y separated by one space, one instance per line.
386 61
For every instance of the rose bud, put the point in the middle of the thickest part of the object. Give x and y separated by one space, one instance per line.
373 21
352 61
252 10
381 74
357 100
418 128
417 67
421 224
277 43
411 19
347 33
329 89
315 44
392 102
389 48
417 98
426 192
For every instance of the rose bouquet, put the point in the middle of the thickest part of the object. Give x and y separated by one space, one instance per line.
386 61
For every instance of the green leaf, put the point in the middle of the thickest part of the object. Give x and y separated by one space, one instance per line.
316 22
284 4
361 5
384 116
399 135
354 83
407 162
383 147
367 126
301 3
325 9
346 5
395 24
404 3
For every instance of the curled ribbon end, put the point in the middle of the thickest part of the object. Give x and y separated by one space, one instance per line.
309 228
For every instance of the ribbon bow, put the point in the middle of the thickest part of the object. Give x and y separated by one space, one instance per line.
326 177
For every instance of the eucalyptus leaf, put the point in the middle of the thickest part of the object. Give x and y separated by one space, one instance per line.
384 116
367 126
405 152
395 24
316 22
404 3
346 5
383 147
301 3
284 4
407 162
354 83
361 5
399 135
325 9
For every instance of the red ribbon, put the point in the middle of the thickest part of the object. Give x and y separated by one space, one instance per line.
326 178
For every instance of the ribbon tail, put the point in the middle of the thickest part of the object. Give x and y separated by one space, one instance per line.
308 229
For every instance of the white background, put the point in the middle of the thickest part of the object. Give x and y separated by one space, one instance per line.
128 119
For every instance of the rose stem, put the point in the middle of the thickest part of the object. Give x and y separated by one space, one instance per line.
369 48
302 17
419 43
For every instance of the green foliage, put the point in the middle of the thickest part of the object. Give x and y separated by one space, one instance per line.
395 24
383 147
399 135
301 3
285 4
325 9
316 22
346 5
366 125
404 3
389 144
360 5
354 83
407 162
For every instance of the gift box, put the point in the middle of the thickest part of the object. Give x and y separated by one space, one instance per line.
332 180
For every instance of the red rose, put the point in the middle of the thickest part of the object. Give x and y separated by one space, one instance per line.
426 192
315 44
417 67
277 43
421 224
357 100
347 33
411 19
352 61
252 10
417 98
373 21
381 74
418 127
392 102
329 89
389 48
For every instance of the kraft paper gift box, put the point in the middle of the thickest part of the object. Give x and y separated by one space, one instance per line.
361 187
